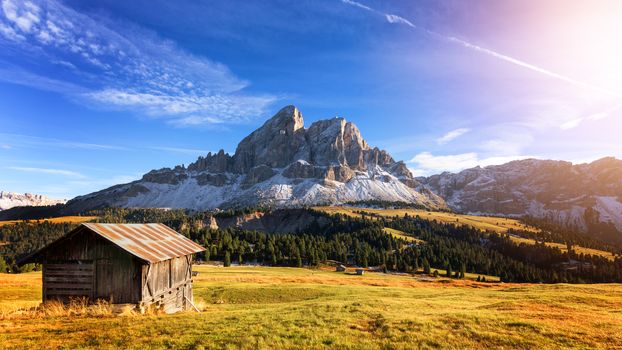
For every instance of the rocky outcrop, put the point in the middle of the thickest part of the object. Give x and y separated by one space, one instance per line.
281 164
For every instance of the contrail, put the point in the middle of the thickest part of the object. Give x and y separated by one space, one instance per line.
395 19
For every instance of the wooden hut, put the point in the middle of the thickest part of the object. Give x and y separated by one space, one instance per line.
340 268
360 272
142 264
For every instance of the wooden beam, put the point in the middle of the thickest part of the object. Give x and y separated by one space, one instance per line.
193 306
147 281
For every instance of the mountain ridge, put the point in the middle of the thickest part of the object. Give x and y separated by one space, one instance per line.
13 199
578 195
280 164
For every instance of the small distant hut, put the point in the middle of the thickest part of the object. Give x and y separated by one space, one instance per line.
340 268
360 272
142 264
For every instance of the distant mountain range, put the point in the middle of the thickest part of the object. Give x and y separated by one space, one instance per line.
281 164
10 199
583 195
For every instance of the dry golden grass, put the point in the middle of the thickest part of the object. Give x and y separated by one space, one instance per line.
291 308
403 235
564 248
61 219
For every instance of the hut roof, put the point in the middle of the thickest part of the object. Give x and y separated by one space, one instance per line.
150 242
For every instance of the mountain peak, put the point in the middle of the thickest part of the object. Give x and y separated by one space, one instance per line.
289 119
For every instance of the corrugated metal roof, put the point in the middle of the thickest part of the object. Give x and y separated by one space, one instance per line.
150 242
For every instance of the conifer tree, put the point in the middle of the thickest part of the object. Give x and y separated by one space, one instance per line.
298 259
3 265
426 266
227 259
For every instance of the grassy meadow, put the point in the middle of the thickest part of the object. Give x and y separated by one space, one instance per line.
293 308
491 223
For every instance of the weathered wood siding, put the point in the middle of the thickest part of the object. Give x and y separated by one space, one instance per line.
63 281
168 284
115 274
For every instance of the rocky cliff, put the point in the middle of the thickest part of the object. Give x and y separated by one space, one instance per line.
281 164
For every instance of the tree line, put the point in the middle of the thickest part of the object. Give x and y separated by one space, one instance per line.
457 249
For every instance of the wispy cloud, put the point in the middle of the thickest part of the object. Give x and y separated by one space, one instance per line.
573 123
191 151
395 19
35 141
118 65
47 171
89 185
451 135
359 5
425 163
400 20
19 140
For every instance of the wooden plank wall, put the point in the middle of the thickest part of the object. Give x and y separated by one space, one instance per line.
64 281
168 283
116 273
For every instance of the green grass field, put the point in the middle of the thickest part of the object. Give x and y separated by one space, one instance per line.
290 308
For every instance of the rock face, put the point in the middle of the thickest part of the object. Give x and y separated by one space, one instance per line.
11 199
281 164
579 195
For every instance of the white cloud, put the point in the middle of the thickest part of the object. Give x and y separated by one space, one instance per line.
357 4
24 16
399 20
451 135
47 171
187 109
117 65
425 163
573 123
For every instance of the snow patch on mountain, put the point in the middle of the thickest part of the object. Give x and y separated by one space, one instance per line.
610 210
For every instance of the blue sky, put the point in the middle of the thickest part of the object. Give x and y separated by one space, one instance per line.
97 93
